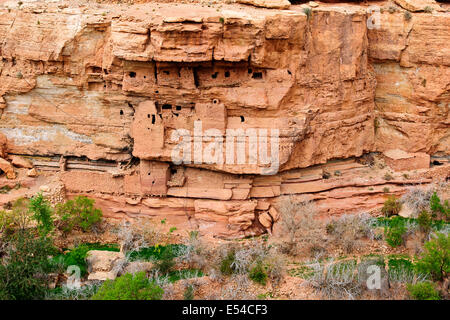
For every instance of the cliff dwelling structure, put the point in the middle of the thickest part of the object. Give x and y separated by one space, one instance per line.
92 95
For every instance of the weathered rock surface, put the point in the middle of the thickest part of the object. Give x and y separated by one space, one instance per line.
108 86
103 265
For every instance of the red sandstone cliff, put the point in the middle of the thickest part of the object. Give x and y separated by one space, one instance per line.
107 85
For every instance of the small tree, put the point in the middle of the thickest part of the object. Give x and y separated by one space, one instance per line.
391 206
23 274
435 259
423 291
79 213
42 213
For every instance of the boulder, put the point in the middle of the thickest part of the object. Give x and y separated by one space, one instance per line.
20 162
32 173
104 265
7 168
270 4
265 219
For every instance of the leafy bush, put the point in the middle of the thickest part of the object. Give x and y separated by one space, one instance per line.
129 287
435 259
189 293
23 273
226 265
78 213
438 208
42 213
166 261
16 218
424 220
423 291
391 207
394 235
258 274
156 252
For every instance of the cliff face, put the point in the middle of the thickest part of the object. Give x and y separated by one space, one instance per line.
114 84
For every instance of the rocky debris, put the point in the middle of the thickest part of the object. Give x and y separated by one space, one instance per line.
20 162
417 5
54 191
104 265
270 4
265 219
32 173
7 168
400 160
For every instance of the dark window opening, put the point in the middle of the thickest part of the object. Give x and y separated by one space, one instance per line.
104 86
227 74
130 105
178 108
289 72
132 74
149 173
153 119
215 101
105 71
156 91
257 75
166 72
145 77
121 112
214 75
437 163
166 106
176 114
173 171
250 71
160 116
242 119
148 116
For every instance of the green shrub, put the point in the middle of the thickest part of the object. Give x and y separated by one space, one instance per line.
78 213
17 218
428 9
189 293
156 252
307 11
23 274
42 214
407 15
258 274
129 287
424 220
423 291
394 235
166 261
435 259
391 207
226 265
438 208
